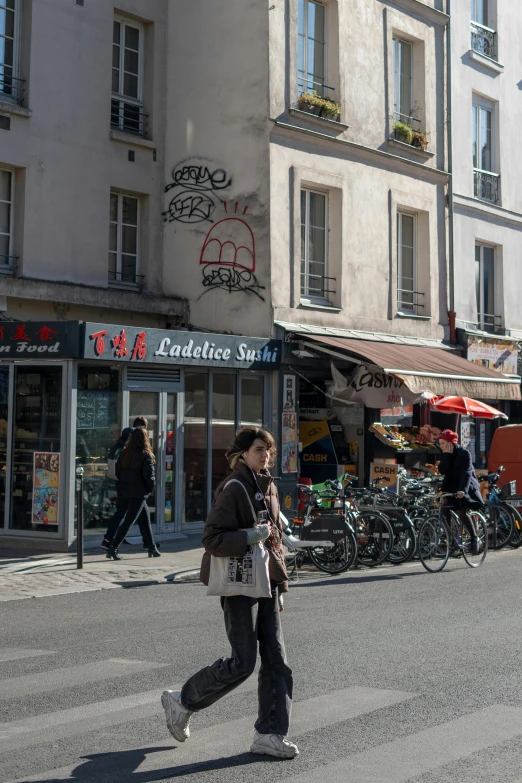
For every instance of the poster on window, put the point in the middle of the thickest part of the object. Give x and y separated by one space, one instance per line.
46 482
289 450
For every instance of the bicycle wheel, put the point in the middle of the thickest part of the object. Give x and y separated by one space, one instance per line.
501 525
481 528
434 544
374 538
335 559
404 539
516 539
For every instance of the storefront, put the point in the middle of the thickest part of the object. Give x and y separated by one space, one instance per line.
194 389
360 404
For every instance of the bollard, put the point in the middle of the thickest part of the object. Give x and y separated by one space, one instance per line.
79 517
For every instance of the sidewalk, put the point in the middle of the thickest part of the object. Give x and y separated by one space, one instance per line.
26 574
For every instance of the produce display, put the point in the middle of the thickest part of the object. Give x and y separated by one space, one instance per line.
406 438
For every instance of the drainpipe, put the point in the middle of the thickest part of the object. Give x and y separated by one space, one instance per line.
451 246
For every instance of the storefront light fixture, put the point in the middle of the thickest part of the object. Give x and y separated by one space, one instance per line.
301 353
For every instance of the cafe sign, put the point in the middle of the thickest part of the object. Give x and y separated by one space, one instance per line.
39 339
137 345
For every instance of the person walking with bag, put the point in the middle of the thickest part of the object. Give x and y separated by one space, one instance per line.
135 471
121 503
244 523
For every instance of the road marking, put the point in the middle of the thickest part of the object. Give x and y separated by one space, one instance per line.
407 757
225 739
55 679
17 653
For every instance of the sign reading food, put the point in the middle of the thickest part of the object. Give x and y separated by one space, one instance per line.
46 482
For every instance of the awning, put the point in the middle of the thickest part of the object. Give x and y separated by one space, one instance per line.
424 369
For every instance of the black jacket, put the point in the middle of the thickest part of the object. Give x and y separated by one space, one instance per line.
459 474
139 480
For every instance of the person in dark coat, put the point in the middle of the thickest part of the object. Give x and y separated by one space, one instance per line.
121 503
135 471
249 622
460 478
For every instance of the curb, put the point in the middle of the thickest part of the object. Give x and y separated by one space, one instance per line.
184 576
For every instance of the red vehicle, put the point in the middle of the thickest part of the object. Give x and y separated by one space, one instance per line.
506 450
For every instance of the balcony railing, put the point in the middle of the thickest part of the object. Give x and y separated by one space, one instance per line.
317 290
128 117
486 185
126 278
408 301
489 323
11 87
305 85
484 40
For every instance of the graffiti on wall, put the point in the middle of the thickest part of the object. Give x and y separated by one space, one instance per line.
193 190
228 255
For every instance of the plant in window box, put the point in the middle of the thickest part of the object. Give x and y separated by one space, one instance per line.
322 107
403 132
420 140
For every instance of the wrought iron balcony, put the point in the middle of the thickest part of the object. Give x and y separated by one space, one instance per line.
486 185
11 88
317 290
408 301
490 323
128 117
305 85
484 40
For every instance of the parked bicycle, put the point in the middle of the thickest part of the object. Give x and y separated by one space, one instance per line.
438 539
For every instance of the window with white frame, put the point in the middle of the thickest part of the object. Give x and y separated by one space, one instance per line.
124 238
407 294
487 319
312 48
402 80
6 217
483 36
486 181
480 12
11 86
127 78
314 245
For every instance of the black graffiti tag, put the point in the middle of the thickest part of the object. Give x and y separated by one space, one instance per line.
193 185
231 279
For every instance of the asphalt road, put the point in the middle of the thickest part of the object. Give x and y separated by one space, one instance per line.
400 676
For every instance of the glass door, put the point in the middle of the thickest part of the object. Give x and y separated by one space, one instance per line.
144 409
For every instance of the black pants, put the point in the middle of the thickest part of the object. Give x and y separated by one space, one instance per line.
247 622
464 516
136 510
117 517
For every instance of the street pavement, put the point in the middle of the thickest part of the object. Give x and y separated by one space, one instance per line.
399 675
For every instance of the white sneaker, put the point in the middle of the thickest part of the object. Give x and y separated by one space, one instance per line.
177 716
273 745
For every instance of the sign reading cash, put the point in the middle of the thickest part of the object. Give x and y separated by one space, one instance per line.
137 345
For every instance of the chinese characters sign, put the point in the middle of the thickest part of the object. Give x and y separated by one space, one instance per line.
133 344
46 482
51 339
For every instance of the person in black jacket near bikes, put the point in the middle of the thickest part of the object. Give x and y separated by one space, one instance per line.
135 471
460 478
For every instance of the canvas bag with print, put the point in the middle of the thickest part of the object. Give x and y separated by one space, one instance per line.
246 575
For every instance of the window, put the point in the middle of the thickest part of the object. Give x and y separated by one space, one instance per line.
10 86
486 182
479 12
485 288
483 38
312 48
6 217
314 245
407 295
127 65
402 80
124 238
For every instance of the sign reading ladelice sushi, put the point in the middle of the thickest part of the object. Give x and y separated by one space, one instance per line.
138 345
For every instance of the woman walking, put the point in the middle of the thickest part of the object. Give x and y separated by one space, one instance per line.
249 621
135 471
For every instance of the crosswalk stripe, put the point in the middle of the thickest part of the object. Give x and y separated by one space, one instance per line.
424 751
225 739
17 653
18 734
42 682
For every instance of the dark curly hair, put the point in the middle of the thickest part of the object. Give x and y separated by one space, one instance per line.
243 440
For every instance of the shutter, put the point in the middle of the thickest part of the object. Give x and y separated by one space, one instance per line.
160 379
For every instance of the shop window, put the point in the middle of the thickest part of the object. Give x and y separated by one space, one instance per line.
195 449
37 463
4 396
252 400
98 427
223 423
146 404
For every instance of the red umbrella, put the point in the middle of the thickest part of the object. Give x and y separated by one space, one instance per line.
466 407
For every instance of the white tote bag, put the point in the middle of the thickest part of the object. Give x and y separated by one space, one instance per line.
246 575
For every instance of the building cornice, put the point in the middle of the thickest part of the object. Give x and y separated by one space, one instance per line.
369 153
422 10
92 296
484 210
